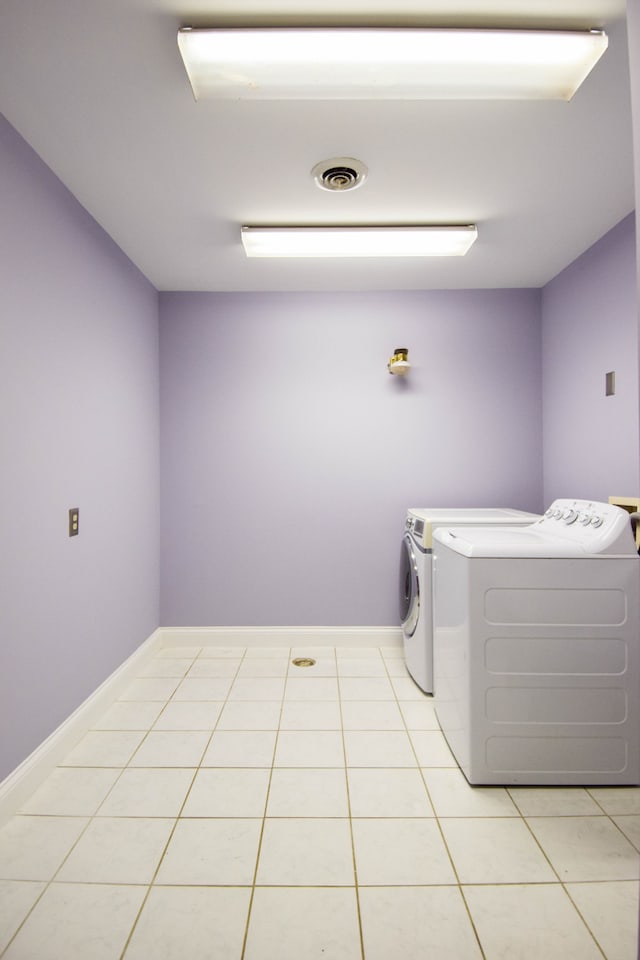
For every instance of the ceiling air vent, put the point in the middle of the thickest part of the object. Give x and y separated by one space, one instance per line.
339 174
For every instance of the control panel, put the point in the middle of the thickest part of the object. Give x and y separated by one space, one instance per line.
414 525
597 527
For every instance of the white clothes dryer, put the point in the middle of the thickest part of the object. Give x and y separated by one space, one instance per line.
537 648
416 609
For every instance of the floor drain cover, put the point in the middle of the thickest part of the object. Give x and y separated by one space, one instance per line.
303 662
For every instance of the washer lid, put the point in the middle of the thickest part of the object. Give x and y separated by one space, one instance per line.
447 516
507 542
568 529
434 517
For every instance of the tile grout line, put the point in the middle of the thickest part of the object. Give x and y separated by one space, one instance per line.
559 880
197 769
564 883
264 816
458 884
442 836
584 919
171 832
90 819
349 813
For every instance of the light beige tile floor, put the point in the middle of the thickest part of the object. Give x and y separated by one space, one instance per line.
231 806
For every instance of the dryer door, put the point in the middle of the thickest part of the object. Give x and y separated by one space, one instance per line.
409 587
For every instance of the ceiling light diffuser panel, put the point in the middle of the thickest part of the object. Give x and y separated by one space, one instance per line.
424 241
349 63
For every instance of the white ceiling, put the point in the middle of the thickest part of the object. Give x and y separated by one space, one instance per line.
97 87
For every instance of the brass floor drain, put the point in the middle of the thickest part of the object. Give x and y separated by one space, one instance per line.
304 662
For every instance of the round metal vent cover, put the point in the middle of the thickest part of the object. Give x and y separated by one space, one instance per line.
339 174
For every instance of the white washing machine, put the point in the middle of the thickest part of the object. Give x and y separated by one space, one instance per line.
537 648
416 615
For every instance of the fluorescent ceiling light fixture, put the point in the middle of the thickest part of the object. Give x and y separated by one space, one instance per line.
425 241
349 63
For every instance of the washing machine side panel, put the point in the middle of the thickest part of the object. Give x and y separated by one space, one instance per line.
554 671
451 605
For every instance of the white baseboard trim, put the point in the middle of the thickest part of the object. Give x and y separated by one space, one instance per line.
24 780
281 636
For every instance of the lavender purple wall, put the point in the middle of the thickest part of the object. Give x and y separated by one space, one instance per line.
78 427
289 455
590 327
633 36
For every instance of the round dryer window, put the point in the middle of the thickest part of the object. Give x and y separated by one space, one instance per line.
409 588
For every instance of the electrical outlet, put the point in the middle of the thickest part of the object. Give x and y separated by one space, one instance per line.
610 384
74 521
